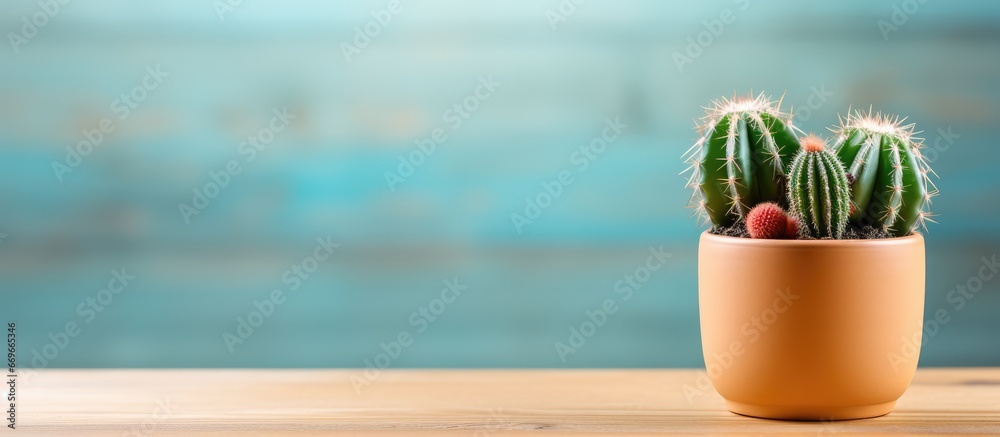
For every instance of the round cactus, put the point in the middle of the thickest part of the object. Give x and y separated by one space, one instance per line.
818 190
889 179
791 227
741 159
767 220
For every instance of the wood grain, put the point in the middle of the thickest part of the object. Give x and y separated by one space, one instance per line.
456 402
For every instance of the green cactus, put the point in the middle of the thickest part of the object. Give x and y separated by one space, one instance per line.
741 159
890 185
819 191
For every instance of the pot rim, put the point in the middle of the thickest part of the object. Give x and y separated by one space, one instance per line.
913 238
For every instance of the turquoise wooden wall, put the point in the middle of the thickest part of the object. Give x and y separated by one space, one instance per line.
325 173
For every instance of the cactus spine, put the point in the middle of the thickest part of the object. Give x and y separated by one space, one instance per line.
818 190
741 158
890 185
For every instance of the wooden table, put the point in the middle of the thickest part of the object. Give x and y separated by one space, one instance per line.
454 402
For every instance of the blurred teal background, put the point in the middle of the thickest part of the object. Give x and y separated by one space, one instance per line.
325 173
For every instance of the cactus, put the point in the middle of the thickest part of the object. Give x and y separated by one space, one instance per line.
792 227
818 190
741 158
767 220
890 185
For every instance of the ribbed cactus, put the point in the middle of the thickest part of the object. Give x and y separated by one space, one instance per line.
818 190
890 185
741 158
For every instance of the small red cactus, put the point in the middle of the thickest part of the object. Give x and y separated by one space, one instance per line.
767 220
792 227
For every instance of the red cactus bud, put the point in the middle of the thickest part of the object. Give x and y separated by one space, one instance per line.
767 220
792 227
812 143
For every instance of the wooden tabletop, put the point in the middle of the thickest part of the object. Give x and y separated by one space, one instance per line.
454 402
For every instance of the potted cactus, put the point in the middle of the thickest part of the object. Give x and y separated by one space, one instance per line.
811 278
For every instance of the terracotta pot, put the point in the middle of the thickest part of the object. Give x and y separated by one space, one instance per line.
811 329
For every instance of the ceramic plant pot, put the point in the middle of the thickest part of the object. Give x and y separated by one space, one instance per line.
811 329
